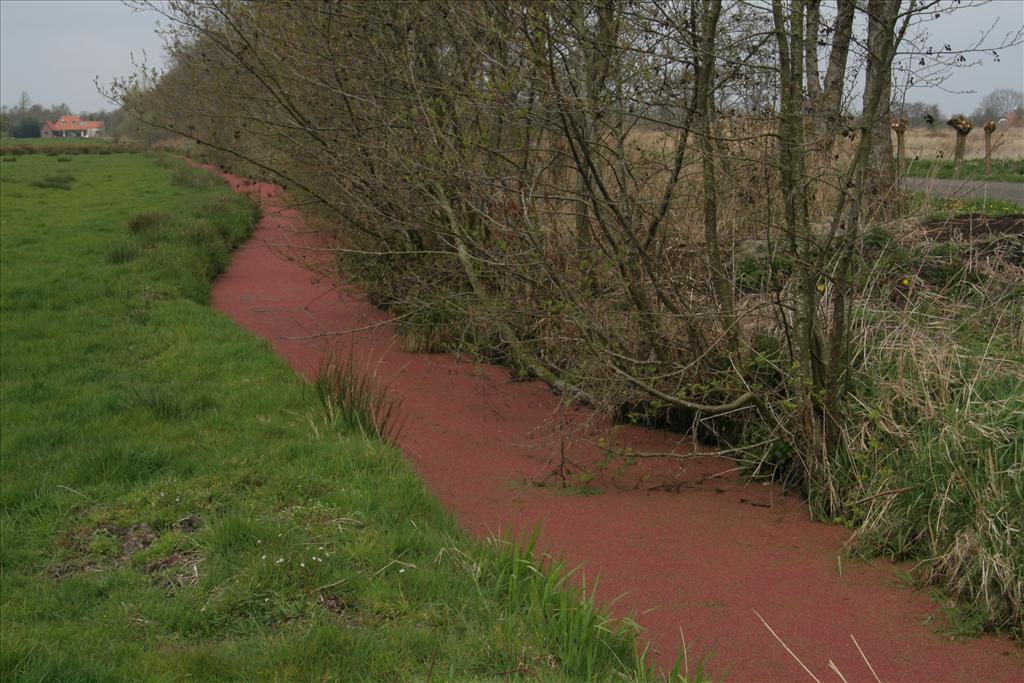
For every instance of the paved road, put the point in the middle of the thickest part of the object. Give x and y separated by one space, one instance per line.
969 189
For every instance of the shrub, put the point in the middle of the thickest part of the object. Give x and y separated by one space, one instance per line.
354 400
192 178
144 221
60 181
123 252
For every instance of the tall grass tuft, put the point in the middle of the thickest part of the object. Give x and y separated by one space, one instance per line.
123 252
142 222
352 399
57 181
566 617
193 179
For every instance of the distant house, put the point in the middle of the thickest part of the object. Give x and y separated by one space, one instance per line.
71 126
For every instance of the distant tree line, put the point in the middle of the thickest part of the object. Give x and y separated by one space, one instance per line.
26 118
999 103
921 114
994 106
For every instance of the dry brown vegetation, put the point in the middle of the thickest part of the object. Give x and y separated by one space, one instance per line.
933 143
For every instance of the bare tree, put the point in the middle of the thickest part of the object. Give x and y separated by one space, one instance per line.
576 188
998 104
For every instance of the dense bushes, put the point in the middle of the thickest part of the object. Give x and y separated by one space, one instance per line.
599 199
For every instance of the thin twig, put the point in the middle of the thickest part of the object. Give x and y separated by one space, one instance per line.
686 661
351 331
62 486
791 653
870 668
835 669
891 492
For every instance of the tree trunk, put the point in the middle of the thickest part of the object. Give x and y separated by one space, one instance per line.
584 93
962 127
793 176
881 172
706 104
900 126
827 111
596 52
990 127
958 153
901 151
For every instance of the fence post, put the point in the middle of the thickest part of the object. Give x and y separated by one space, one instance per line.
989 128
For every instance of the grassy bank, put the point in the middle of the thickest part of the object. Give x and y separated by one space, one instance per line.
176 503
931 208
933 456
935 463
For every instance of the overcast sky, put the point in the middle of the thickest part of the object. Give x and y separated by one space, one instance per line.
53 49
962 28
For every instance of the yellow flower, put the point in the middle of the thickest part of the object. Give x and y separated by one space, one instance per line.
821 286
906 282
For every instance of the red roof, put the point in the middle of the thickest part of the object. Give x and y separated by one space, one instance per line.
72 122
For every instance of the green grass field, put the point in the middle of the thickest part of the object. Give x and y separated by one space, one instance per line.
15 147
175 503
937 208
1003 170
44 142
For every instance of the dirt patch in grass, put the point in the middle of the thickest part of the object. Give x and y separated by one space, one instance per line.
108 546
134 538
340 607
974 226
101 547
982 235
188 524
61 571
130 539
175 571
